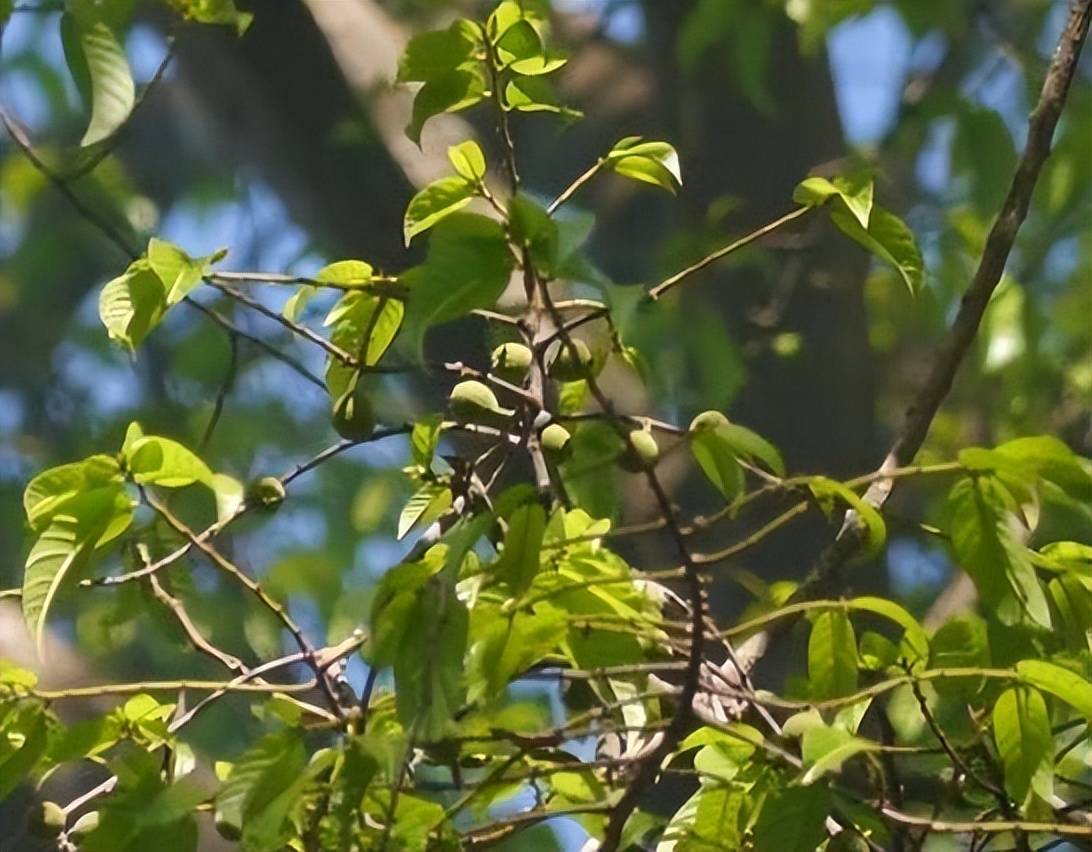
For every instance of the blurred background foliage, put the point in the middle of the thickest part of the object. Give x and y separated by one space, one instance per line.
274 144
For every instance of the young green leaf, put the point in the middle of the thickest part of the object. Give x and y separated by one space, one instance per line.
887 237
456 90
65 545
519 561
179 272
133 304
468 160
827 491
432 55
793 820
507 647
98 64
988 550
1022 732
439 199
1067 685
467 267
49 491
160 461
656 163
427 504
854 191
832 656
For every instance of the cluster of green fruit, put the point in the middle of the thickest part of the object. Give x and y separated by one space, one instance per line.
472 401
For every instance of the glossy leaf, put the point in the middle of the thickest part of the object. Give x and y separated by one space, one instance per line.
832 656
97 61
651 162
519 561
133 304
1067 685
468 160
828 491
854 191
887 237
439 199
1022 732
985 543
160 461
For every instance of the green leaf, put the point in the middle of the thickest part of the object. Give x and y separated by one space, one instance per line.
520 48
718 462
750 446
519 562
428 666
915 644
394 599
436 201
467 267
468 160
505 647
354 316
887 237
262 788
65 544
854 191
1049 458
427 504
1069 686
656 163
536 94
349 273
49 491
214 12
424 439
432 55
133 304
1021 729
987 548
24 736
97 61
160 461
457 90
532 227
179 272
793 820
827 491
832 656
824 750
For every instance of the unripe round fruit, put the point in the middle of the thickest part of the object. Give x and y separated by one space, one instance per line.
473 402
47 820
556 441
571 363
708 420
85 824
641 453
265 493
512 362
353 416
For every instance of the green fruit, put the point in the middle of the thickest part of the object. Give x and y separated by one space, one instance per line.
708 420
265 493
48 819
511 362
85 824
571 363
556 441
473 402
352 414
641 452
